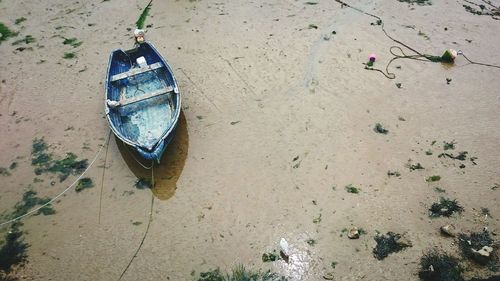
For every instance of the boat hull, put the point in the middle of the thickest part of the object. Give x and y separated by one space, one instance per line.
143 102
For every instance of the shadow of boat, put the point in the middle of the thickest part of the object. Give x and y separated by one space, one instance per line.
167 173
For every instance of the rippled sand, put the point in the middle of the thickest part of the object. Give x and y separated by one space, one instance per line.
278 118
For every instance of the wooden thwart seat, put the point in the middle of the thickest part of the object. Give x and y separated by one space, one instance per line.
135 71
146 96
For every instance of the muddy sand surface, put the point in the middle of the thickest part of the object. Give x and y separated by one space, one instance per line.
278 118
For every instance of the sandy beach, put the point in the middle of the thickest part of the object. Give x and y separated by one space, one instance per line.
277 127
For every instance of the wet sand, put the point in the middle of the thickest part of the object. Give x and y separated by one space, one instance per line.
260 88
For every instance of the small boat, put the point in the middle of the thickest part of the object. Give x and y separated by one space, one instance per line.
143 102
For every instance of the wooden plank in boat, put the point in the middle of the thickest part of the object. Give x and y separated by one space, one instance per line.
153 94
135 71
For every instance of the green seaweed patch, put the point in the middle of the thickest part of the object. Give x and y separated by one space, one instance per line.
461 155
84 183
439 190
240 273
469 246
28 39
491 278
380 129
39 145
13 250
5 32
65 167
393 174
142 18
414 167
311 242
143 183
388 244
70 55
420 33
445 208
270 257
4 171
46 211
449 145
352 189
485 212
433 178
44 162
72 42
435 266
418 2
318 219
19 20
361 231
13 165
473 160
483 10
29 201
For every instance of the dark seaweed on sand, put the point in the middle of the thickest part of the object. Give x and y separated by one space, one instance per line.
393 173
44 162
19 20
387 244
475 241
240 273
380 129
435 266
418 2
13 250
414 167
84 183
28 39
445 208
143 184
492 278
29 201
461 155
72 41
493 11
69 55
142 18
433 178
5 32
352 189
449 145
270 257
4 171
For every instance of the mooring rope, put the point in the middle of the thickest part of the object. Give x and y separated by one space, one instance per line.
417 56
60 194
137 160
102 178
149 223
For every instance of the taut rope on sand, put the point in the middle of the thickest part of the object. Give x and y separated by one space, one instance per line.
147 227
102 178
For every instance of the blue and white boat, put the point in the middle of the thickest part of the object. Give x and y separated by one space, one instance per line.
143 102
